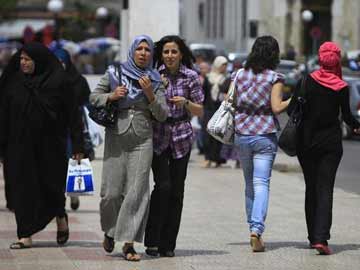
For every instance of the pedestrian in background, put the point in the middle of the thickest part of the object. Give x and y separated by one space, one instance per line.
81 89
320 142
172 144
258 100
37 109
128 150
214 91
200 132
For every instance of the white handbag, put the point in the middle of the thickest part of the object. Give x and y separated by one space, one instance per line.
221 125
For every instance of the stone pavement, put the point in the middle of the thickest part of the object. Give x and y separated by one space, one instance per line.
213 234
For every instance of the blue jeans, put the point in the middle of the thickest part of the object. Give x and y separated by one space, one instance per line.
257 154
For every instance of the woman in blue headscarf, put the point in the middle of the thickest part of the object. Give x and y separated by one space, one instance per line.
136 88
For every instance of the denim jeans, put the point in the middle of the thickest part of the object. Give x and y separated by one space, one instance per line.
257 154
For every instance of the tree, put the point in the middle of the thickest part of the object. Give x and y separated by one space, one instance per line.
6 6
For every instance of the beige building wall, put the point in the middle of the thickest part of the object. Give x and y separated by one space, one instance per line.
280 18
346 24
271 19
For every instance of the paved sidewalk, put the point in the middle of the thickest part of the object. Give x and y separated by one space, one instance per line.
213 232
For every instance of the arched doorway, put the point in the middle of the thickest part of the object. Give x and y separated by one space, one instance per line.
319 28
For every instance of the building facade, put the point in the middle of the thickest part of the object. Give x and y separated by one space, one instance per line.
233 25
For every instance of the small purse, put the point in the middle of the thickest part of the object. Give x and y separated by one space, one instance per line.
221 125
107 115
288 137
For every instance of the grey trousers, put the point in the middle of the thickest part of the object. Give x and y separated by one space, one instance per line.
125 191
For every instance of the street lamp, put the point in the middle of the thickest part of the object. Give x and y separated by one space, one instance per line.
55 6
307 17
101 14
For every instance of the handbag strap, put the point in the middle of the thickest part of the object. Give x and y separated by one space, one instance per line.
301 95
118 71
232 90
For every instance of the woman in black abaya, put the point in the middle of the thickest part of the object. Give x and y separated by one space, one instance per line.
37 109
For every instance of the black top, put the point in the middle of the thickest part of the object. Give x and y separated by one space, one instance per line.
321 125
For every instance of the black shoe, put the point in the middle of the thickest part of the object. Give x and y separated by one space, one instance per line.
74 203
167 254
63 236
108 243
152 252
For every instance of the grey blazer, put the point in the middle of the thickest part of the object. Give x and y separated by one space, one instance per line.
139 115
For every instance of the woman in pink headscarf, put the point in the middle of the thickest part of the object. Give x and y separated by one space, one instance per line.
320 142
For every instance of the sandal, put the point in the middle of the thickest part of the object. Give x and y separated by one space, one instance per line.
63 236
108 243
130 254
322 249
19 245
256 242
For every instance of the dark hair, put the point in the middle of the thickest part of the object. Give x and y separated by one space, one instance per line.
187 56
264 54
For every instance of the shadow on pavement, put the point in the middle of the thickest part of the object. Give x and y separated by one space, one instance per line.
70 244
336 248
83 211
198 252
3 209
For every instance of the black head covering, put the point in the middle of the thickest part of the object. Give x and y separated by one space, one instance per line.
75 79
47 73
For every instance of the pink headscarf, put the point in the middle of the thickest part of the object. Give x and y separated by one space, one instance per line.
329 74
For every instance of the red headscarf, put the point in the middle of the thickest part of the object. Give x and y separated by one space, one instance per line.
329 74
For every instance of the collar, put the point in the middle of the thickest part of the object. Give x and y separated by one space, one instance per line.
182 69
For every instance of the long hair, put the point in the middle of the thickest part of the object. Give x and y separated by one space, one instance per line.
264 55
187 56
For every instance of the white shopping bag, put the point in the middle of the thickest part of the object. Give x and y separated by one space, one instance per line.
79 180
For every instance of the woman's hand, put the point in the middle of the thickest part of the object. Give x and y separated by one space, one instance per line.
164 80
118 93
357 130
78 157
178 101
146 86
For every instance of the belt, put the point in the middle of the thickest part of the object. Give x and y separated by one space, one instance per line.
174 120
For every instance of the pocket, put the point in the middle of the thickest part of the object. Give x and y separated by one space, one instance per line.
266 144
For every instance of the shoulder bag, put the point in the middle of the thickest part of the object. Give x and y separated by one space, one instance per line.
107 115
288 137
221 125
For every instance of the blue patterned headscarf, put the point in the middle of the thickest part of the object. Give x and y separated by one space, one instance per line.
130 69
132 73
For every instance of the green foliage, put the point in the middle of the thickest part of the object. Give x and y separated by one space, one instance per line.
75 29
7 5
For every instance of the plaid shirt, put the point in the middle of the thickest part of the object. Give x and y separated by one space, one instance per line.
253 102
179 135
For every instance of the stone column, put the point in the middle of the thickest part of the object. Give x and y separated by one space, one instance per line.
153 18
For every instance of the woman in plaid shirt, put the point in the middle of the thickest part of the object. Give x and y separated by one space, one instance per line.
258 100
172 144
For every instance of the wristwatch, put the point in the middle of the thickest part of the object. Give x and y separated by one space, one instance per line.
187 103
